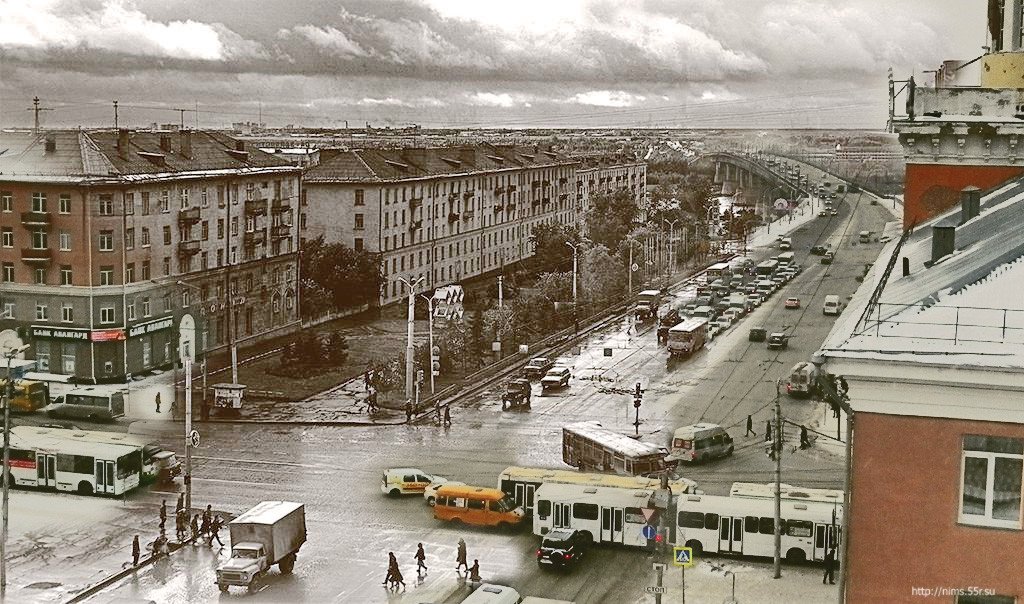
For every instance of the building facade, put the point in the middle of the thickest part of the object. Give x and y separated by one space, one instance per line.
119 250
447 214
932 351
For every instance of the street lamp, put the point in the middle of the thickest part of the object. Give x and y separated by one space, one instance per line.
575 248
9 354
187 360
629 269
671 243
409 348
430 330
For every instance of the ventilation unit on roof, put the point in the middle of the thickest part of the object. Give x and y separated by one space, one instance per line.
396 164
157 159
51 143
239 155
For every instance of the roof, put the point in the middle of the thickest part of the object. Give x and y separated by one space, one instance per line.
689 324
55 443
613 440
624 497
84 156
267 512
385 165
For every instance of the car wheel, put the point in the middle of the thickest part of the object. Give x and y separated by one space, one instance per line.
394 493
431 501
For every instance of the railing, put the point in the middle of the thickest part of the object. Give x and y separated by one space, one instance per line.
254 237
36 255
35 218
188 248
281 231
257 207
956 324
188 216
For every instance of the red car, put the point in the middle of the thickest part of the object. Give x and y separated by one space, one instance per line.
792 302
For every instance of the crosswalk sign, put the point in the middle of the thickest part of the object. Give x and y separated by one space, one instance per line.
683 556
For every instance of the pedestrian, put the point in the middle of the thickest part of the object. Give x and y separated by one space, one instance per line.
830 567
750 426
437 411
195 528
805 441
215 530
460 556
447 416
157 399
767 431
204 525
392 565
181 503
420 557
179 526
136 550
366 380
474 572
163 514
208 515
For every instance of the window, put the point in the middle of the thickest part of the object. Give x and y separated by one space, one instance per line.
39 202
167 265
8 272
220 196
129 203
145 203
204 260
993 467
65 275
183 197
358 244
67 313
106 205
250 191
39 276
167 235
8 311
131 310
107 314
39 240
129 273
42 360
106 275
204 200
6 201
585 511
65 241
234 226
41 314
145 236
129 239
165 301
145 270
65 203
7 237
476 504
358 222
106 241
204 229
145 307
220 228
165 201
359 197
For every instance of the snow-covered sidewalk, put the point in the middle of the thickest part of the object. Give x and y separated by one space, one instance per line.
711 580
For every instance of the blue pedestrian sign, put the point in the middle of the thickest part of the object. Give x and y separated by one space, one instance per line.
683 556
649 532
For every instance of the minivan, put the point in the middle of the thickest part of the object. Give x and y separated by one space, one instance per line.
701 442
704 312
90 402
477 506
831 306
786 244
865 237
489 593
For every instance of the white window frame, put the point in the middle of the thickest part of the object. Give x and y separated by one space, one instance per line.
106 241
64 240
67 313
42 313
7 237
108 315
986 519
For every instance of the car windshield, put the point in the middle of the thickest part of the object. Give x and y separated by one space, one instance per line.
505 504
537 362
251 554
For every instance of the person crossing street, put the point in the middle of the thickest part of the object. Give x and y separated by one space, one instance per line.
163 514
136 550
750 426
215 530
420 557
460 556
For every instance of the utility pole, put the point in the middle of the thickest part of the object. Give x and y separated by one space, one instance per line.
188 431
575 322
410 350
182 114
430 331
777 448
10 354
500 291
115 115
35 108
638 398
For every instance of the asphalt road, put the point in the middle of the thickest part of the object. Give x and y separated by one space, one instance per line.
336 471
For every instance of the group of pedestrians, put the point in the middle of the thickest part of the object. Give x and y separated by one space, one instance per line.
394 577
207 524
805 440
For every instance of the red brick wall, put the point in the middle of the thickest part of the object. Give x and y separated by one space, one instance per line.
903 526
931 188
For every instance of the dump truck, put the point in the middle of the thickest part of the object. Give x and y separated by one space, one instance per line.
270 533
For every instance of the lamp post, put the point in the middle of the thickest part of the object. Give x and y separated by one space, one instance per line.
671 243
9 354
629 269
575 247
430 331
187 361
409 348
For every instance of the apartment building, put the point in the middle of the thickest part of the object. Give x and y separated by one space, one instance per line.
606 174
440 214
119 250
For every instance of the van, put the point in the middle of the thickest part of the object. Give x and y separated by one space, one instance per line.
765 288
488 593
831 306
865 237
701 442
786 244
477 506
703 312
91 402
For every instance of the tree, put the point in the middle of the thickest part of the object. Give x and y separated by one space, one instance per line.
337 348
334 276
555 287
611 218
387 376
476 335
550 251
453 340
602 276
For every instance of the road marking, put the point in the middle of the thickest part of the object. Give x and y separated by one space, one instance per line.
260 461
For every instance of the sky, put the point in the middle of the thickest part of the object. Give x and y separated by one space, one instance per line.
473 63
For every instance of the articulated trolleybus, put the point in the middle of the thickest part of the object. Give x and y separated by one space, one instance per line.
47 461
589 446
745 526
522 483
601 514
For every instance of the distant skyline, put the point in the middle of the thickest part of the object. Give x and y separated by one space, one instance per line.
473 63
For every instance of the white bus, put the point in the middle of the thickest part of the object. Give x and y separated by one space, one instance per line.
589 446
47 462
601 514
721 270
745 526
157 464
688 337
91 403
758 490
521 483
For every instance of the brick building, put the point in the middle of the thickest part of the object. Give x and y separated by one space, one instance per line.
119 248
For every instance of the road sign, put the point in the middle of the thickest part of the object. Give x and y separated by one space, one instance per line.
683 556
607 352
648 514
649 531
635 267
193 438
655 589
781 204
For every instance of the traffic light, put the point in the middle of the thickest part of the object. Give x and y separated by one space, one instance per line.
419 376
638 396
435 360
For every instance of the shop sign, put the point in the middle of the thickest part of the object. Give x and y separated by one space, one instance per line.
60 333
145 328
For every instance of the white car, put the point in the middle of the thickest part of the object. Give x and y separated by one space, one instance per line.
430 493
555 378
405 481
723 322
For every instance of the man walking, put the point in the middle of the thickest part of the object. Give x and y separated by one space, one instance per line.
460 556
163 514
157 399
136 550
179 525
195 528
767 431
447 417
830 567
408 412
750 426
420 557
181 503
215 530
204 525
805 441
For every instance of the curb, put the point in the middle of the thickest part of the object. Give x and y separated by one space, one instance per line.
95 588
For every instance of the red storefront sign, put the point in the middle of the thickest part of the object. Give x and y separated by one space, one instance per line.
107 335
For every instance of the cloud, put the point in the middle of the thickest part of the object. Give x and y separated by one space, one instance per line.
606 98
491 99
328 37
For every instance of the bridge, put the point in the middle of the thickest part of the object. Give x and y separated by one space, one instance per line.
750 179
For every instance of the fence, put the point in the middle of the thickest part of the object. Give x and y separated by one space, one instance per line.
956 324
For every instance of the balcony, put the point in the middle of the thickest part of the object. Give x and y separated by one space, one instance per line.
467 214
468 194
510 206
256 207
281 231
563 197
546 183
453 217
415 224
511 188
187 249
497 208
535 184
499 190
280 207
415 202
453 196
534 202
188 217
35 218
563 180
40 256
251 238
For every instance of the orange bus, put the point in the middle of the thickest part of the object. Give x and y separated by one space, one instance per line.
477 506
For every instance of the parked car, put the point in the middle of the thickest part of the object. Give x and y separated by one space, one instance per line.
561 548
538 366
778 340
517 394
555 378
792 302
828 257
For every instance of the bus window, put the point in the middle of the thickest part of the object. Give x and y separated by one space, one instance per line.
711 521
635 516
767 526
544 508
477 504
585 511
799 528
691 520
750 524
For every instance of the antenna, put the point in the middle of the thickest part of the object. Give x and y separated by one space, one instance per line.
35 108
182 113
115 115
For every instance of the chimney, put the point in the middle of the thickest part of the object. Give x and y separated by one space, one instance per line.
165 143
185 137
970 203
123 142
906 266
51 143
943 240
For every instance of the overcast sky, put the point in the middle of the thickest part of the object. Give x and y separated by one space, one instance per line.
468 63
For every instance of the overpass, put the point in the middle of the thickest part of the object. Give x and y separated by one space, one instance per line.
751 179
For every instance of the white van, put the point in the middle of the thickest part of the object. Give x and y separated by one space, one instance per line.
831 306
786 244
700 442
765 288
488 593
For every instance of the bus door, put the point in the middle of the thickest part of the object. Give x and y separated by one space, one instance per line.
730 535
825 537
611 525
562 513
524 496
46 470
104 476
